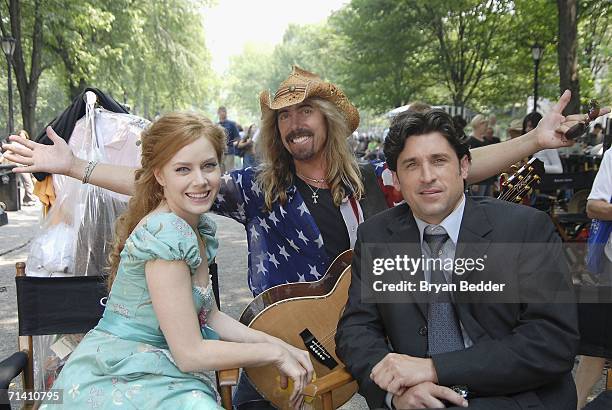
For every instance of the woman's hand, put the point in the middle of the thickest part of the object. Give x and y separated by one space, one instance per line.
297 367
34 157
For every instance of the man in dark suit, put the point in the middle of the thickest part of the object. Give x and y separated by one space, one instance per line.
433 349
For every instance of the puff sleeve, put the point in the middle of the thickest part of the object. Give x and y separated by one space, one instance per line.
167 237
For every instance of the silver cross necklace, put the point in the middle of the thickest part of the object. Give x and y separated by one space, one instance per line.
315 192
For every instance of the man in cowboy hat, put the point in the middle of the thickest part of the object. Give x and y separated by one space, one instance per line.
302 206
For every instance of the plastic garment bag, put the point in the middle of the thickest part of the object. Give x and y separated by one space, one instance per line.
77 234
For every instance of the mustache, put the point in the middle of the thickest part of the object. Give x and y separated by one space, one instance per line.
300 131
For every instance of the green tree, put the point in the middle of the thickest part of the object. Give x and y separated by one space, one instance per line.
595 50
150 54
249 73
384 56
468 43
23 20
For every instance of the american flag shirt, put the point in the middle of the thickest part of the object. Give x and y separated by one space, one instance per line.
285 245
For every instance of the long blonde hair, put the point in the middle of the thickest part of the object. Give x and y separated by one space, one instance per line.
160 142
275 175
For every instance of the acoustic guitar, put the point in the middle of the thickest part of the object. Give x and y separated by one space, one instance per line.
306 314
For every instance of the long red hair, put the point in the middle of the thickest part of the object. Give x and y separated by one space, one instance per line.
160 142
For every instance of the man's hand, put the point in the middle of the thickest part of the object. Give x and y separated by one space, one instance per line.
553 126
427 395
395 372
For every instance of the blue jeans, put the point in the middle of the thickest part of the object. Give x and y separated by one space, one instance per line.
246 397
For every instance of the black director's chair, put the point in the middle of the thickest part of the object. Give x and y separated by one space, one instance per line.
67 305
47 306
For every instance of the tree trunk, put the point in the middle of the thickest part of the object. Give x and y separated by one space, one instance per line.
75 89
568 62
26 85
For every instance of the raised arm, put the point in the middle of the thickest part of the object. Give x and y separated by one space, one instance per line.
59 159
550 133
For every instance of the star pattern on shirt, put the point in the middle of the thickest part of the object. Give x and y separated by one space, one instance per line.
273 218
283 252
319 241
264 224
262 257
254 233
256 189
302 236
261 268
241 210
314 272
303 209
293 245
226 178
272 258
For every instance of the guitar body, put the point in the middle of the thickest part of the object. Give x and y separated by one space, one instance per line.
304 315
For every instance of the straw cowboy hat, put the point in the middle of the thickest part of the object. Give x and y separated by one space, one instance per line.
301 85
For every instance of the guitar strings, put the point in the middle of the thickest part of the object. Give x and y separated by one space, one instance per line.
521 183
522 186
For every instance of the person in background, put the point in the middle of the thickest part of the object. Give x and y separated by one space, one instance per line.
460 123
233 136
496 128
490 137
598 207
515 129
247 146
479 125
595 136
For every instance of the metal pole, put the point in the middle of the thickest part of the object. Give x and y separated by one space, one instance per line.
10 96
535 85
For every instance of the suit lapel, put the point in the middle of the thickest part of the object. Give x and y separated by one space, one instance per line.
405 230
472 243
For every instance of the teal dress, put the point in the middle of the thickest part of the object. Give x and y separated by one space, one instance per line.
124 362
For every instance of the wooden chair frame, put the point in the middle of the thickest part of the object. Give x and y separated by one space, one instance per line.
322 387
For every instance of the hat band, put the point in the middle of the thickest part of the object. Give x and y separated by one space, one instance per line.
290 89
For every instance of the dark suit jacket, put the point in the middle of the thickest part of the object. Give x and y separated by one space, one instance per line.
522 350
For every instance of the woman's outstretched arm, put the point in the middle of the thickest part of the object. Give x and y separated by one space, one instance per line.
59 159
